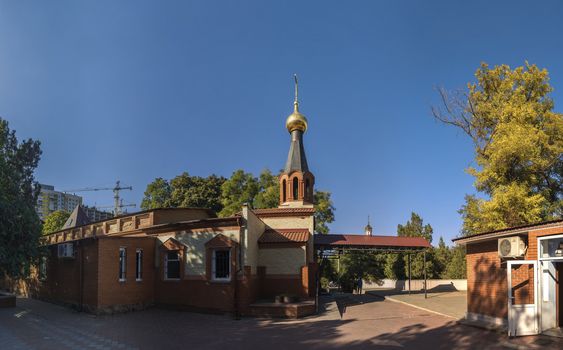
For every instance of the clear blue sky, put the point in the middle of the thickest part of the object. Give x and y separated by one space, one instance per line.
134 90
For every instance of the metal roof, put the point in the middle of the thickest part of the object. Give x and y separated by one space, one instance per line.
296 159
335 241
507 231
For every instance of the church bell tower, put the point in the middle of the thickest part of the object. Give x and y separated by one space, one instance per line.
296 181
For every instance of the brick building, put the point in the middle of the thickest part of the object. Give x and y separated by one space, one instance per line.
188 257
513 278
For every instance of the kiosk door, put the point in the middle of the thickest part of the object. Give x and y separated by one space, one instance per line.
522 280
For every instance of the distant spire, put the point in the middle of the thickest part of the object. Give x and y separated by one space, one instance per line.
368 229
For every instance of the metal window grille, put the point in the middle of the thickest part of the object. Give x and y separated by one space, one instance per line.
222 264
122 263
172 265
139 263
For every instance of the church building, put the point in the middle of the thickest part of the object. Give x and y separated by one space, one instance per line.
188 258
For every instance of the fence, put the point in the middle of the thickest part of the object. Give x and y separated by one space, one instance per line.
403 285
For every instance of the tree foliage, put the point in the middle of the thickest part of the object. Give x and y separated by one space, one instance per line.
518 143
55 221
240 188
415 228
184 191
20 227
226 196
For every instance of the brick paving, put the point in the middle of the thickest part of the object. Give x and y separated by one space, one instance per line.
453 304
352 322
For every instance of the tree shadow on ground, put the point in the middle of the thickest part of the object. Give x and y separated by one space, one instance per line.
344 301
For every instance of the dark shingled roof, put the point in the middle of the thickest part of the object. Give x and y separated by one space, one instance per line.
77 218
296 159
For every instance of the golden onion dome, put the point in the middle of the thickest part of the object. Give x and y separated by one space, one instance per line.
296 120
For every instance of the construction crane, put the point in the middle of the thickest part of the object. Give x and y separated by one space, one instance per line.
117 204
121 206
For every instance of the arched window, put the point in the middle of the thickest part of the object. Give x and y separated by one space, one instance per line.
295 188
307 188
284 191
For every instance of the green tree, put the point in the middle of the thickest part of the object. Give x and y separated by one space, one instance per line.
240 188
157 195
195 191
394 266
324 213
415 228
268 195
226 196
518 144
457 268
55 221
184 191
442 255
355 264
20 227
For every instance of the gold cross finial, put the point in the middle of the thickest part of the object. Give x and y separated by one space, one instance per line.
296 102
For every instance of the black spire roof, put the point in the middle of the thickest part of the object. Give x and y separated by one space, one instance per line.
296 159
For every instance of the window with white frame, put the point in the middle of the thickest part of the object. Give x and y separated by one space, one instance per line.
43 268
139 265
122 263
221 265
172 265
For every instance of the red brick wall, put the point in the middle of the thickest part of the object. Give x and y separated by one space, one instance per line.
63 283
487 291
112 292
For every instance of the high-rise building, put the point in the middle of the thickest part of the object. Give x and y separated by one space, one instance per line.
95 214
50 200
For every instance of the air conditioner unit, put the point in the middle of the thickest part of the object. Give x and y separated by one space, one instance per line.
66 250
511 247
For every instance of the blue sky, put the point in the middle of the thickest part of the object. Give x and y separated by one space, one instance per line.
134 90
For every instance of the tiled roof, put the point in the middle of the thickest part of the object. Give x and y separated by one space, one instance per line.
508 231
272 212
285 236
333 240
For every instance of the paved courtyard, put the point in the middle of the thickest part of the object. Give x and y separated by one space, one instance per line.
453 304
352 322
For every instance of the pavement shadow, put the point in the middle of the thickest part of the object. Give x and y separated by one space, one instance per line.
343 301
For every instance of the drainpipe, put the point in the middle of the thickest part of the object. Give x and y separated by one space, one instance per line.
81 274
239 265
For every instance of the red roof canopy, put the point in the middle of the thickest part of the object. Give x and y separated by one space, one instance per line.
333 241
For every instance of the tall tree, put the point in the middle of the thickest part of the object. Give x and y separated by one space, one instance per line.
324 213
226 196
518 143
240 188
415 228
55 221
157 195
442 256
20 227
457 268
184 191
196 191
269 190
